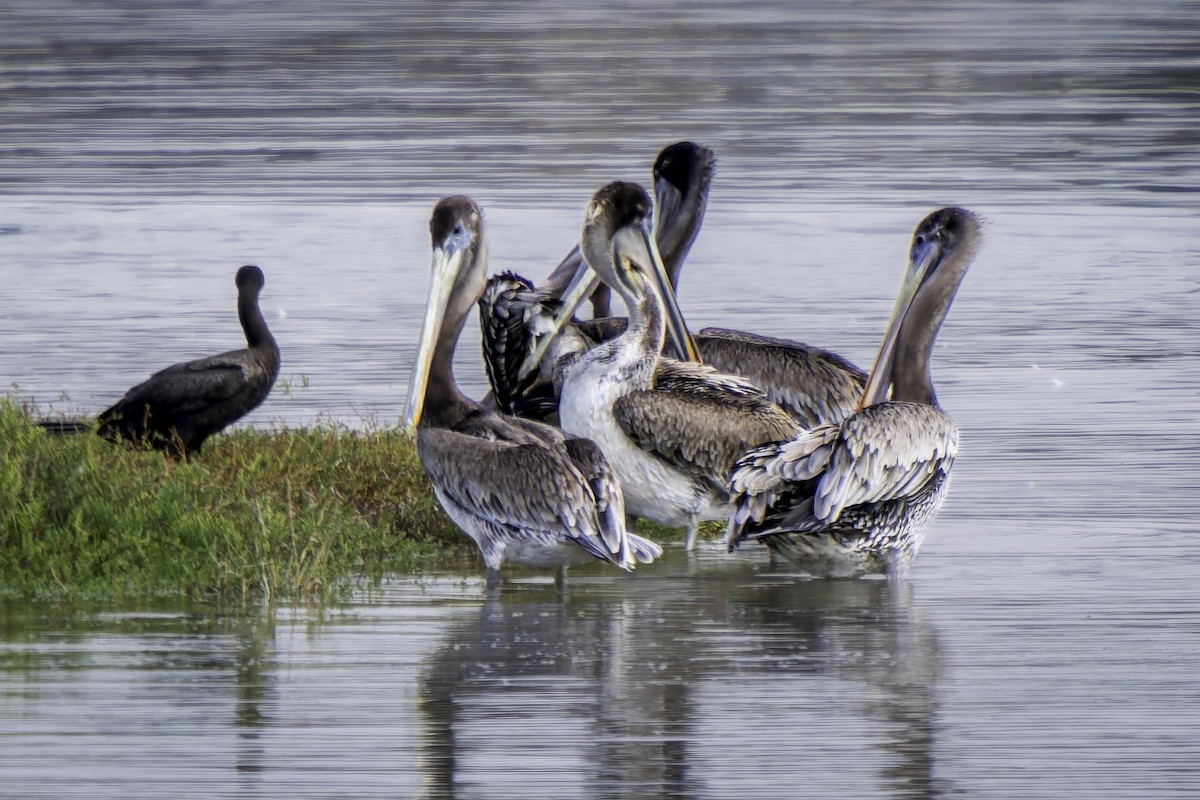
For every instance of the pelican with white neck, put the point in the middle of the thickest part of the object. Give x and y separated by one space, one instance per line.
671 439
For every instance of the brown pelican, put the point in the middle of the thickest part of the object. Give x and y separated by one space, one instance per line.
178 408
811 384
524 491
854 497
514 314
671 440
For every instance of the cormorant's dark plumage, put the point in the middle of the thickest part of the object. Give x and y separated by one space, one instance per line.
178 408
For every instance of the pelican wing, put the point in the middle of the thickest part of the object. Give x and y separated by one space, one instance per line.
885 452
510 311
684 377
882 453
813 385
529 489
700 421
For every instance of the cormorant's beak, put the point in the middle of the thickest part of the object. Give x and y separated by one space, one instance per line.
446 263
923 259
634 245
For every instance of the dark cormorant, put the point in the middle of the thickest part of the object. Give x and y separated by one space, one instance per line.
179 407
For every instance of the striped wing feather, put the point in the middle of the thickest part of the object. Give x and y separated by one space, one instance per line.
882 453
531 482
700 421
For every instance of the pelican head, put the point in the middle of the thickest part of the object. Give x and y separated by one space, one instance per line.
683 173
619 216
617 244
943 247
459 274
618 249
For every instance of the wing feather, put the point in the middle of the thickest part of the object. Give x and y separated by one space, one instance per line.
510 310
191 386
529 489
813 385
885 452
700 421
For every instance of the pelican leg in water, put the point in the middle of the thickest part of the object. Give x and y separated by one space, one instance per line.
854 497
176 409
514 314
671 438
524 491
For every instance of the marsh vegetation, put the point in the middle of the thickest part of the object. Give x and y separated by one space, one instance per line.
263 513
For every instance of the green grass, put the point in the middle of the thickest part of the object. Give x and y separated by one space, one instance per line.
287 513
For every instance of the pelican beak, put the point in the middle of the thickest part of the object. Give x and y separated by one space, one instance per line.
636 245
923 259
578 289
446 264
667 202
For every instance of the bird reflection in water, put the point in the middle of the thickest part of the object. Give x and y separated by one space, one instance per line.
657 688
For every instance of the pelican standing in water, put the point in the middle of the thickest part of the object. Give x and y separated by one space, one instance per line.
672 442
854 497
524 491
514 314
177 408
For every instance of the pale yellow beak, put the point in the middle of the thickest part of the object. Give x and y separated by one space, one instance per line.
446 265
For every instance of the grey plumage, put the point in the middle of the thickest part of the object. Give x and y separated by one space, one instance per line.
855 496
848 498
670 430
699 420
512 482
813 385
513 313
522 490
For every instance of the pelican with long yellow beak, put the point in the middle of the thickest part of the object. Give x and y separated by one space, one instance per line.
524 491
855 497
671 430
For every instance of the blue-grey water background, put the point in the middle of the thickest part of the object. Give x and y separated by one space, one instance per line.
1047 641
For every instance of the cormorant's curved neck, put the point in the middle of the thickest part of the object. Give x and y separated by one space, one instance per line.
254 325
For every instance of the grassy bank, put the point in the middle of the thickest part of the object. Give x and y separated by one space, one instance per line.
285 513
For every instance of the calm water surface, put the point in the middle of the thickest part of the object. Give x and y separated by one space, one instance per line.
1047 642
